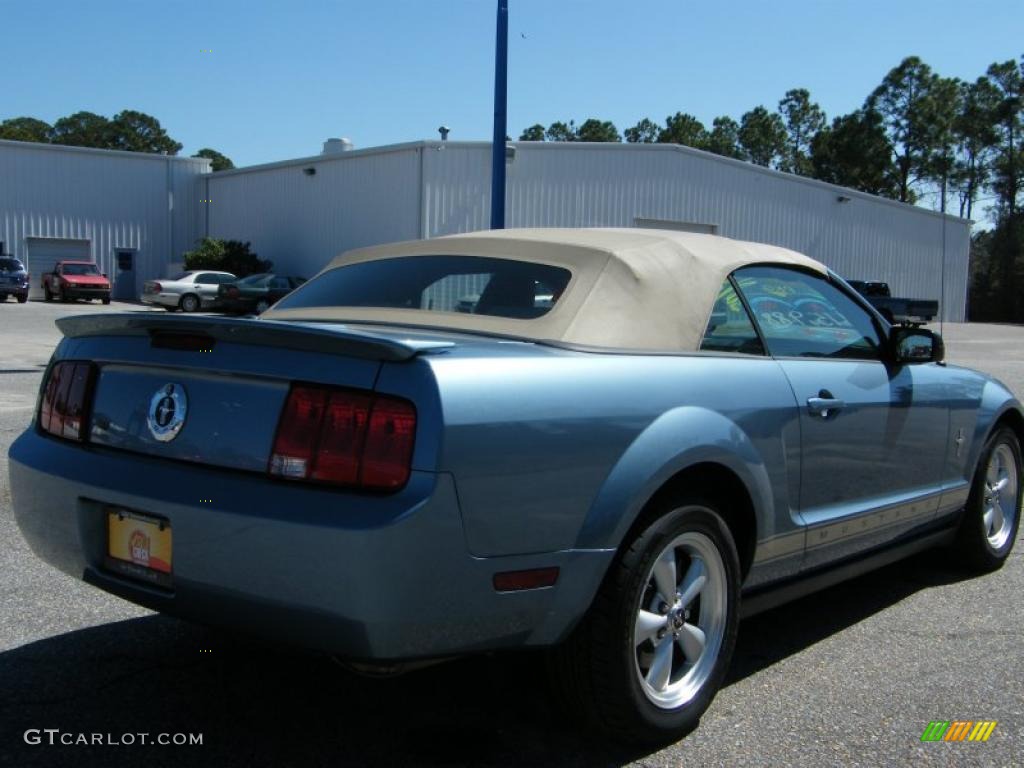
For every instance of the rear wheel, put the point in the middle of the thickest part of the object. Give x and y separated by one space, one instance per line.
22 298
189 303
47 293
106 300
992 516
649 657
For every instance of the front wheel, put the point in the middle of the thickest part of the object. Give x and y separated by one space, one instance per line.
22 298
649 657
47 293
992 515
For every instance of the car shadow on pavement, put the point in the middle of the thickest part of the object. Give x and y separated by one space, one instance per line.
260 705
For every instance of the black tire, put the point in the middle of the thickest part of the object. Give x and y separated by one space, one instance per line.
47 293
106 300
62 295
974 544
22 298
189 303
3 297
597 670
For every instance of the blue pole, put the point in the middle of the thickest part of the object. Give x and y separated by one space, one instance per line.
500 119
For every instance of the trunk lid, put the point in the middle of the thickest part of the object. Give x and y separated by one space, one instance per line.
211 389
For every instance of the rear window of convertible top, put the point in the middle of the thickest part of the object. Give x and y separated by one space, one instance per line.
471 284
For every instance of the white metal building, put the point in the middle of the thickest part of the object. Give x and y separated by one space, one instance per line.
136 214
300 213
131 213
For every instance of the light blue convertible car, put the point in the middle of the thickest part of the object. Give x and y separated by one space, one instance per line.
624 441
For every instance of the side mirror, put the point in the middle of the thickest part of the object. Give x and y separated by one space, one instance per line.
916 345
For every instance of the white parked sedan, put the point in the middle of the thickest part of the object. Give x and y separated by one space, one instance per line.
189 291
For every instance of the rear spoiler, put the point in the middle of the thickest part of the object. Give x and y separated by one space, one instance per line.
339 340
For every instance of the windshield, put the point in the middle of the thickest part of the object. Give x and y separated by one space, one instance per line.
80 269
10 265
469 284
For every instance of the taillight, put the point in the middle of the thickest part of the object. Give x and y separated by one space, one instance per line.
157 288
344 437
66 399
388 444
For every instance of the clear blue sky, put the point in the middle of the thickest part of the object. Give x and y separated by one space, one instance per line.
283 76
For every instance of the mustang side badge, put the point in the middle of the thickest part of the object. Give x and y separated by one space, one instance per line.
167 411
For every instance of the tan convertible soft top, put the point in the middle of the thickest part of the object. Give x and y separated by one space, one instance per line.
630 288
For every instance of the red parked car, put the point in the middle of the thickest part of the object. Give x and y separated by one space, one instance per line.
76 280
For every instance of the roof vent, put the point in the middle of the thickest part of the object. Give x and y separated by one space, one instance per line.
337 146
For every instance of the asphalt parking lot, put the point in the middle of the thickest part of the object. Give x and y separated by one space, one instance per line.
851 675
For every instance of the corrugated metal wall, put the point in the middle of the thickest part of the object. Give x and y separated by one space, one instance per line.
300 220
432 188
573 185
115 200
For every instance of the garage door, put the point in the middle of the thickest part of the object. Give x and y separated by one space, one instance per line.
44 252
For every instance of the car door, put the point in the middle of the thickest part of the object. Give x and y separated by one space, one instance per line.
207 283
873 433
775 433
279 288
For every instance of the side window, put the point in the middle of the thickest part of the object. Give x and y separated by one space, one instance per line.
212 278
729 327
803 315
280 284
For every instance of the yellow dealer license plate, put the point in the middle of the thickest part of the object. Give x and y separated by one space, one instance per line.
139 546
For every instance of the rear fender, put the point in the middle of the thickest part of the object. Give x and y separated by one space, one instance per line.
680 438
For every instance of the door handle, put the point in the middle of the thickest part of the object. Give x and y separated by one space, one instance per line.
825 405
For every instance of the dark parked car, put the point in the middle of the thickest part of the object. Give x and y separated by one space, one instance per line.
13 279
896 310
255 293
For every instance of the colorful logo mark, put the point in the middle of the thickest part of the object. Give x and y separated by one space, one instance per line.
139 547
959 730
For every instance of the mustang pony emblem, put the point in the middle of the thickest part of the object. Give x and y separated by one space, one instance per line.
167 410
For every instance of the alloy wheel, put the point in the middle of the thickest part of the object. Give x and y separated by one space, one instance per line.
999 511
680 620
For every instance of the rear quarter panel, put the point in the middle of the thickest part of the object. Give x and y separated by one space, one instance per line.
554 449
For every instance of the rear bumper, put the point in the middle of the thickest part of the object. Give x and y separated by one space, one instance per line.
366 577
160 299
